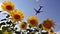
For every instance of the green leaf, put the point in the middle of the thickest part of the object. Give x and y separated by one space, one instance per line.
43 22
4 28
1 32
13 25
36 30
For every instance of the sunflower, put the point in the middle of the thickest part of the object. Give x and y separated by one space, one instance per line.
45 28
23 26
32 21
48 23
7 6
16 15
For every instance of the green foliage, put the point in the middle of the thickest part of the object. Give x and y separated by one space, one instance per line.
4 28
36 30
43 22
1 32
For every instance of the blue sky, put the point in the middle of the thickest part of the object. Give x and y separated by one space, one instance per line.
51 9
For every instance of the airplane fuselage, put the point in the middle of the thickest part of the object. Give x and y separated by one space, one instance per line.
38 11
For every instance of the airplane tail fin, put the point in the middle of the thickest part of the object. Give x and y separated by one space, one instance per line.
41 6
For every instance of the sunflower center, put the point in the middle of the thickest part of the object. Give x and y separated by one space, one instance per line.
32 22
9 7
16 17
47 23
23 26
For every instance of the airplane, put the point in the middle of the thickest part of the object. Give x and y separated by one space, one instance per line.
38 11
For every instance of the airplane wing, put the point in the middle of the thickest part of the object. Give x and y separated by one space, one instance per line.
35 9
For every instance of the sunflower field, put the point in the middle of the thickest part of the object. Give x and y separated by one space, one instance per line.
14 16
